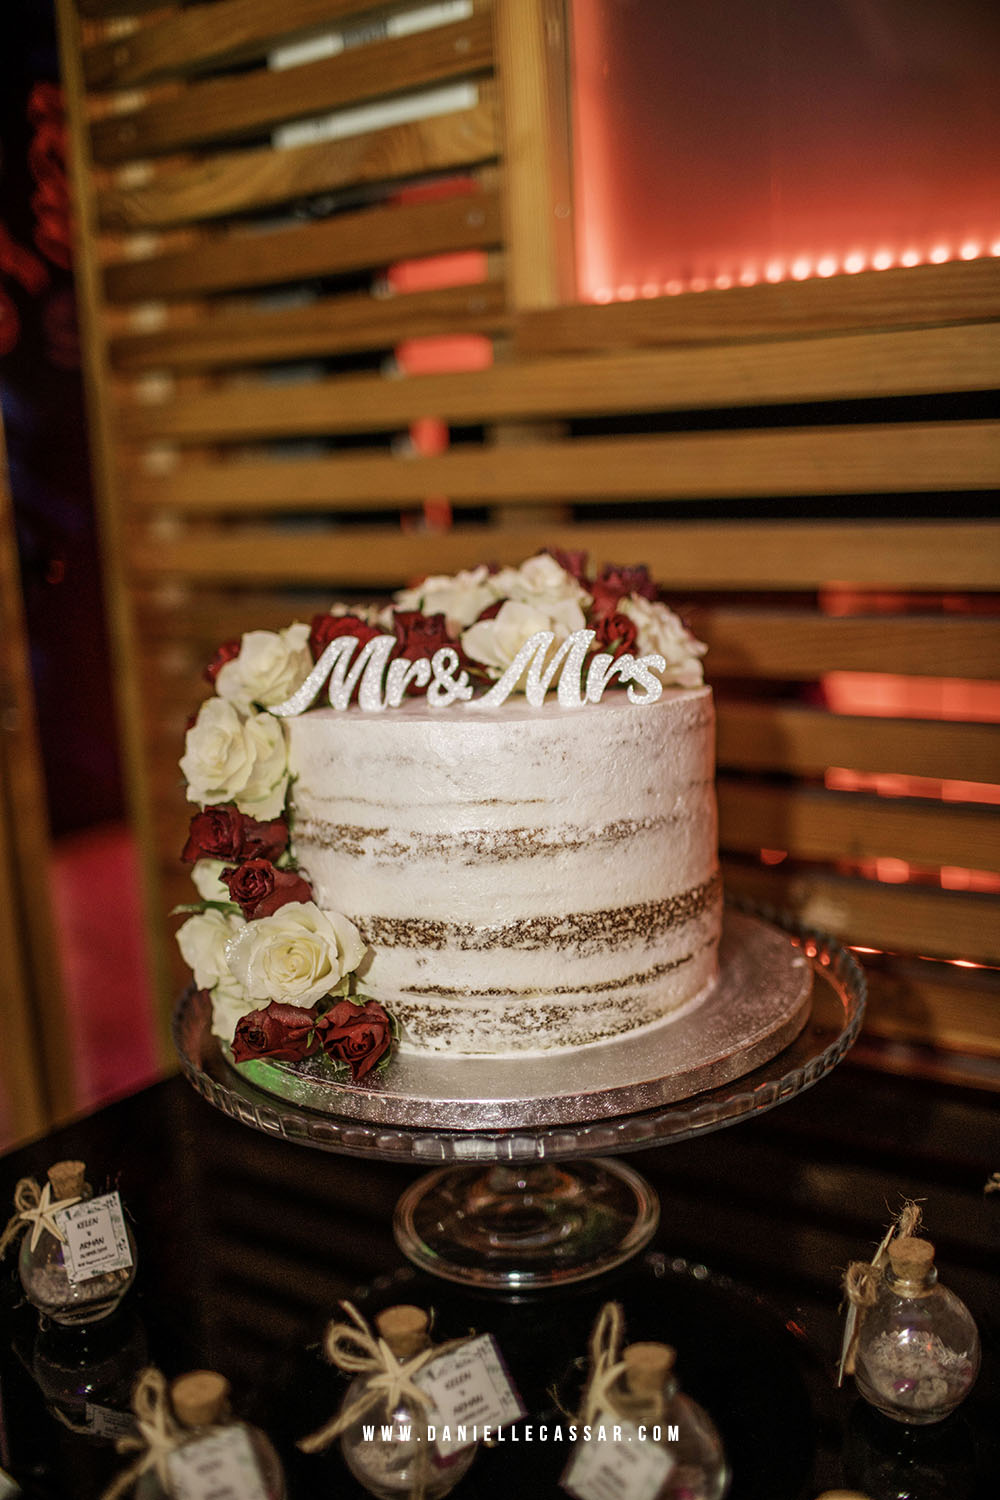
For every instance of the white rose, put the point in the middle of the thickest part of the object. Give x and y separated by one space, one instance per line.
461 599
659 631
230 1003
298 955
263 795
230 759
205 873
496 642
540 581
202 941
268 669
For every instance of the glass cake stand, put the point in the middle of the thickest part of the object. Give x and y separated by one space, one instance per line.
519 1207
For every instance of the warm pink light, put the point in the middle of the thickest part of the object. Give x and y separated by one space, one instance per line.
429 356
840 137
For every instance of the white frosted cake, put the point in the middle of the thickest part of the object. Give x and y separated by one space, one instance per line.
479 820
526 879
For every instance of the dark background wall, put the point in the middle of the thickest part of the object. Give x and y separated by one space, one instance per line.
41 400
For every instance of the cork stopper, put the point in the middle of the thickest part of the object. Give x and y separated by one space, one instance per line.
911 1258
647 1367
404 1328
68 1178
200 1398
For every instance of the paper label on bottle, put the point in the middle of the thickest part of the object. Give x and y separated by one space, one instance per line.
104 1421
220 1466
96 1241
470 1389
620 1465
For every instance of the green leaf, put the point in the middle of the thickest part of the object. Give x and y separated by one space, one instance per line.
228 908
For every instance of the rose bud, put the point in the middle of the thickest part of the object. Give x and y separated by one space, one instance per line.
326 628
259 889
224 832
615 634
284 1033
228 651
356 1034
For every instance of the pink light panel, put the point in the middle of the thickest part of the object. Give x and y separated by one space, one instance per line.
720 145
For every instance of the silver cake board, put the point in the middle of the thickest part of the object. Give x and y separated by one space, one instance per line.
758 1005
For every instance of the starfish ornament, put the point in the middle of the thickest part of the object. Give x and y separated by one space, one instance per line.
42 1217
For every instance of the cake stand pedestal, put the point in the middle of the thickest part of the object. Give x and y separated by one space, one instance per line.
530 1206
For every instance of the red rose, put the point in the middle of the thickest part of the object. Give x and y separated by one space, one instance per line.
228 651
615 584
419 635
327 628
615 633
356 1034
281 1032
226 833
259 889
575 564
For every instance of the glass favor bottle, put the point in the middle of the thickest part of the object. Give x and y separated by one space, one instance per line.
918 1350
230 1459
648 1395
44 1267
399 1459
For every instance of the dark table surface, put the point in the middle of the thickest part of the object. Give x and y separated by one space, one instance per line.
246 1243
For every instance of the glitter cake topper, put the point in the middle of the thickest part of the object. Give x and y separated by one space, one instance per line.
379 688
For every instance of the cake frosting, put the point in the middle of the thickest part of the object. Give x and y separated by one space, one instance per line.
524 879
479 820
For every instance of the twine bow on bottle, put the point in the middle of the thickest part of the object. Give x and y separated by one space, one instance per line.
158 1435
353 1347
35 1207
605 1363
861 1284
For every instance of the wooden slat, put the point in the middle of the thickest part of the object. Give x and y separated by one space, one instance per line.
227 108
936 1005
101 9
800 644
330 325
848 460
36 1065
913 919
240 181
209 35
910 363
797 555
959 292
812 824
103 447
805 741
357 241
531 138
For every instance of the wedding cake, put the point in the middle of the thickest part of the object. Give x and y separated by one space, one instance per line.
478 821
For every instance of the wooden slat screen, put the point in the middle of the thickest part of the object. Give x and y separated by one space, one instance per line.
808 468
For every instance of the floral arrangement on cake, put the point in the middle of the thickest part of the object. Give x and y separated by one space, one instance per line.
282 974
